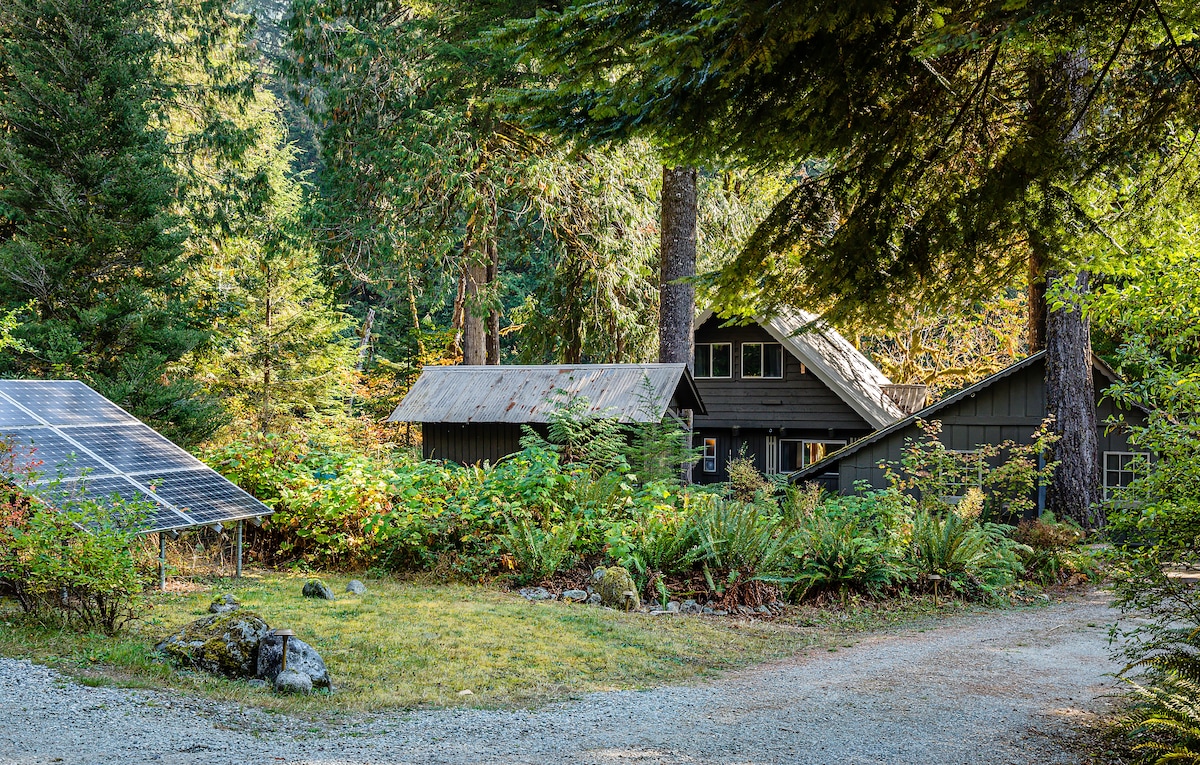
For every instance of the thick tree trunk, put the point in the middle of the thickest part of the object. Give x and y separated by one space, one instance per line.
474 333
677 260
1074 490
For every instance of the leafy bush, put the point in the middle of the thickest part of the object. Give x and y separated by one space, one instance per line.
539 552
1053 555
976 559
77 566
662 538
835 555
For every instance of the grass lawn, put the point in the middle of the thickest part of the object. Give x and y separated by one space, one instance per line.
406 645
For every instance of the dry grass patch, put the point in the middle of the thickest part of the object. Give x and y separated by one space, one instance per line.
405 645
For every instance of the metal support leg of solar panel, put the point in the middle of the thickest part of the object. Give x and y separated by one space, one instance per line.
90 448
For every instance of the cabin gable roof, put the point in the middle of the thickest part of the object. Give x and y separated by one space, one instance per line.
833 360
531 394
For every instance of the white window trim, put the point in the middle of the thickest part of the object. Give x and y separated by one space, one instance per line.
709 460
710 375
773 455
762 361
1106 489
804 442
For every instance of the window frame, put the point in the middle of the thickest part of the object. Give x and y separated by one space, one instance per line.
707 374
762 360
708 460
1112 492
803 443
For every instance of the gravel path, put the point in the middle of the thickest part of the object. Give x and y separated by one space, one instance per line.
998 688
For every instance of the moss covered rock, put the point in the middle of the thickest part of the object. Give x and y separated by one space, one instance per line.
225 644
617 590
315 588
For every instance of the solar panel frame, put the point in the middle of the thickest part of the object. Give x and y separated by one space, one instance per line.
115 453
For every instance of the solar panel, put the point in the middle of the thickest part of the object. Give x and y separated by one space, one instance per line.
81 445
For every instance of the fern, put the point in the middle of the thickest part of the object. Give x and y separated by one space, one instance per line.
539 552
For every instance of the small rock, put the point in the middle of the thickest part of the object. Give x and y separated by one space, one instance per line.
224 605
763 610
744 610
466 692
1044 597
597 575
589 589
256 683
356 587
576 596
315 588
594 599
707 610
689 607
673 607
720 613
291 681
536 593
301 657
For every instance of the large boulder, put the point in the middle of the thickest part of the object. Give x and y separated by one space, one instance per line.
224 644
617 589
301 657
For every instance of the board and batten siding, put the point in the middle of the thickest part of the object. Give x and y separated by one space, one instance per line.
1009 410
799 401
468 443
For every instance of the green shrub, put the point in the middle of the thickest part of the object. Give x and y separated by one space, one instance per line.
539 552
77 566
976 559
662 538
1053 555
743 544
833 554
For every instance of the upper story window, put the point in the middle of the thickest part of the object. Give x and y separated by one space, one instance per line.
714 360
762 360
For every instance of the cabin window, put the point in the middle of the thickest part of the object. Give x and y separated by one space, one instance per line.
710 455
714 360
796 454
964 474
762 360
1120 469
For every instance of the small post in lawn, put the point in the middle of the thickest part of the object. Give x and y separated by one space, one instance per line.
162 561
238 570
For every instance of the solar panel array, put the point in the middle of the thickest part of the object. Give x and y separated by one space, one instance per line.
80 444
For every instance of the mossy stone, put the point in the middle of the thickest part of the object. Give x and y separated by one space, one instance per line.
617 590
315 588
225 644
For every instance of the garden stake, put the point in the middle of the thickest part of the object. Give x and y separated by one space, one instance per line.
285 634
935 579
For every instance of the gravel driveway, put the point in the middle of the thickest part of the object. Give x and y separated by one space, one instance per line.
994 688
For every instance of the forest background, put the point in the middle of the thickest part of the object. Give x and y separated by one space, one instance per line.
244 218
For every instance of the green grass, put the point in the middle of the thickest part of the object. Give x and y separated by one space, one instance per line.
406 645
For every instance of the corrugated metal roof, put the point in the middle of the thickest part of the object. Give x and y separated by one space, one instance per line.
521 394
834 361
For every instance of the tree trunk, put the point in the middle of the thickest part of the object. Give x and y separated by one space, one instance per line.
1074 490
1035 330
493 327
677 260
474 334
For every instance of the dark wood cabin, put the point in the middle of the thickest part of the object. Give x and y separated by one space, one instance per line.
1007 406
787 391
472 414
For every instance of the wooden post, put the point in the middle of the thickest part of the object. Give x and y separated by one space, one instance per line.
162 561
238 574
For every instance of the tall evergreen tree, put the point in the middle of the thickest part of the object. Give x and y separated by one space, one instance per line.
937 148
92 232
